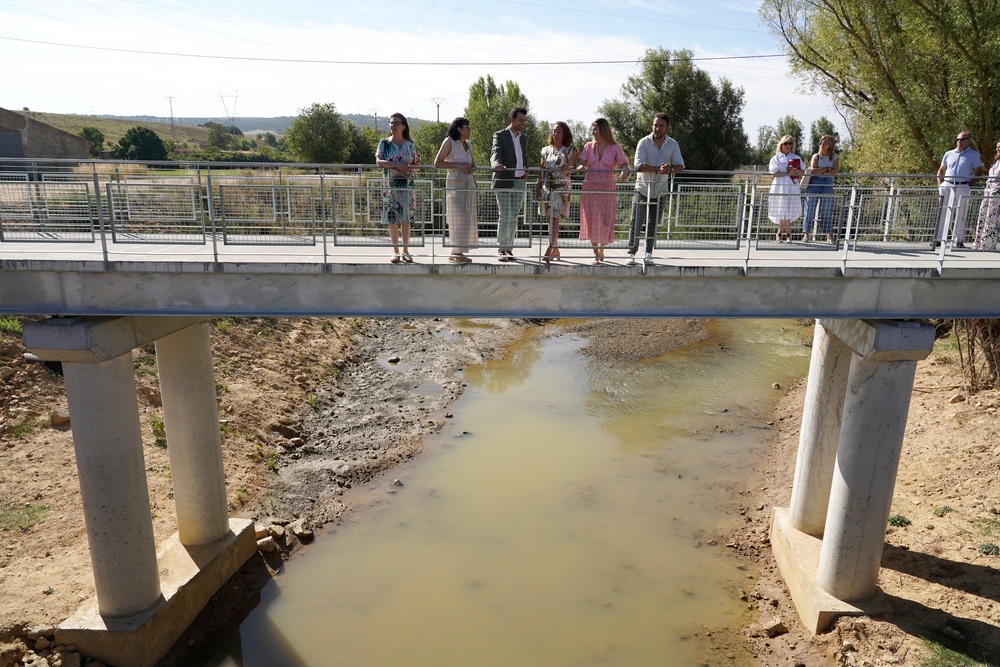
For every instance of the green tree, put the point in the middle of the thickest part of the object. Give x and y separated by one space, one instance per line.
906 74
223 137
364 142
706 119
791 126
268 138
96 139
318 135
140 143
767 140
428 138
818 129
488 110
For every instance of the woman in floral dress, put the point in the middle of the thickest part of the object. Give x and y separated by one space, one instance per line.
988 225
600 158
397 156
553 187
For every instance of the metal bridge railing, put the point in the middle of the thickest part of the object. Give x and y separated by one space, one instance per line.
122 204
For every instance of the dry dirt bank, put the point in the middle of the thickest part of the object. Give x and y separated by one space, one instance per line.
939 583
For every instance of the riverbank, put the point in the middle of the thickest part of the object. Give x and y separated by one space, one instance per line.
939 570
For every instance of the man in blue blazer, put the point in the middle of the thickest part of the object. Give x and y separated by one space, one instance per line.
509 175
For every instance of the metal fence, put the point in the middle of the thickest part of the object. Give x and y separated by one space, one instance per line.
344 205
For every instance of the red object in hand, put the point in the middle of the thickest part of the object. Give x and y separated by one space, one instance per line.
796 163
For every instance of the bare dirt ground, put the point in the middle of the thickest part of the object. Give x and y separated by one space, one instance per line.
309 408
939 571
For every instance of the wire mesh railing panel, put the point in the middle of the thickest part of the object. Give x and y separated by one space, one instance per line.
899 220
46 212
147 212
243 180
7 176
590 217
702 216
816 222
158 178
267 215
361 215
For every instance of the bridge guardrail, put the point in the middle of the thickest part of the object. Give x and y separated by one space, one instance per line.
127 204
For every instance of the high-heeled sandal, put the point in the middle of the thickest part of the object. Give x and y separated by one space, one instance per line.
407 258
549 255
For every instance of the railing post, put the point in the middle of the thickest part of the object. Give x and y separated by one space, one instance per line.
100 215
211 214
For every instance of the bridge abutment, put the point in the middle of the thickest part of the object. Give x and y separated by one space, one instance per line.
144 599
828 545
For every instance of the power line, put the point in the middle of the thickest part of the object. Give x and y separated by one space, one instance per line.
630 61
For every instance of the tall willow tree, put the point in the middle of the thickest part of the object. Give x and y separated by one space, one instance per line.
488 110
907 74
706 119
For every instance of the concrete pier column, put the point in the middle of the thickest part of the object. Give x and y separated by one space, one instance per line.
871 438
820 432
108 444
191 420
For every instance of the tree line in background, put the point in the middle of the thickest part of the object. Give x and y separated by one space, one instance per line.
706 119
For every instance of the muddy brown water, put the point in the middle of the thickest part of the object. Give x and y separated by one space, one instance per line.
564 517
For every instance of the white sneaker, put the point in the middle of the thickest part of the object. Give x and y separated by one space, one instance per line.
631 259
649 258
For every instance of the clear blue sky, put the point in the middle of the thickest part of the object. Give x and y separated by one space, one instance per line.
58 78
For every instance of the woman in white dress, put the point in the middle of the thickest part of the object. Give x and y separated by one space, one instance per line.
784 203
455 155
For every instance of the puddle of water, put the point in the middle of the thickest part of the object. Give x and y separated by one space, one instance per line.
569 527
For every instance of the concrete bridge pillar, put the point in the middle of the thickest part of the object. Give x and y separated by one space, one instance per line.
838 575
108 443
820 432
191 420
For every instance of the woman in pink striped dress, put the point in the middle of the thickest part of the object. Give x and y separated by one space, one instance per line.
600 158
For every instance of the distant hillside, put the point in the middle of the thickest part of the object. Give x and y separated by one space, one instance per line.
188 130
114 128
277 124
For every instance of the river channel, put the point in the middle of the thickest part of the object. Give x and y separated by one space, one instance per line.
564 517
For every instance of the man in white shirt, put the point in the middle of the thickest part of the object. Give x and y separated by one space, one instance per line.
958 170
507 158
656 158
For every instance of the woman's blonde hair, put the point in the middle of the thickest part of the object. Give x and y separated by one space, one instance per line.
829 142
604 130
787 137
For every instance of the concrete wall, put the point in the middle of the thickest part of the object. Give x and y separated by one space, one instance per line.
39 140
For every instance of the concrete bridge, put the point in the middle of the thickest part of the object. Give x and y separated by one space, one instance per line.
109 291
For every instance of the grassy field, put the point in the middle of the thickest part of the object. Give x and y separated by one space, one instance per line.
114 128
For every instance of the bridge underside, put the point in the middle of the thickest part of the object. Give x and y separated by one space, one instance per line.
522 290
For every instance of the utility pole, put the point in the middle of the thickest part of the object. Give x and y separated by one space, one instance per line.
375 111
438 101
173 133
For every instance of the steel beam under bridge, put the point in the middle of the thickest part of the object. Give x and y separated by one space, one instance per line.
523 290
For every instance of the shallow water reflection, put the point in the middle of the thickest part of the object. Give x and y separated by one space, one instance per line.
569 527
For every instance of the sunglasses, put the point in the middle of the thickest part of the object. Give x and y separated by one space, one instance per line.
787 143
963 138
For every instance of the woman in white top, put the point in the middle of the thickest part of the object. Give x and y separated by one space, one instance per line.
784 203
455 155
